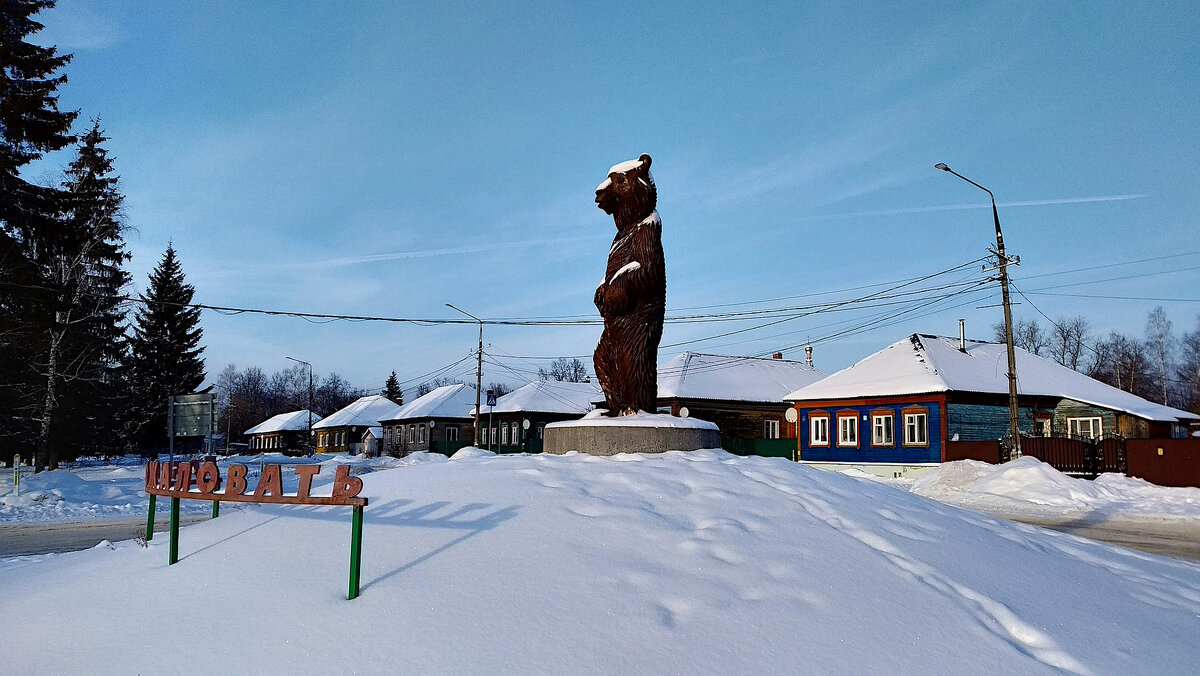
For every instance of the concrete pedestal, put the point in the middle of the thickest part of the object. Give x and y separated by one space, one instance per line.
641 433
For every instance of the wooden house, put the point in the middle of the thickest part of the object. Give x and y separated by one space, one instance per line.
742 395
284 432
516 424
342 431
439 421
926 398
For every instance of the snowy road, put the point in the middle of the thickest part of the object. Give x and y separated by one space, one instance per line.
1178 537
46 538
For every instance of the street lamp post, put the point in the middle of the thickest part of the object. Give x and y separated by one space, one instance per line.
478 368
1013 424
308 438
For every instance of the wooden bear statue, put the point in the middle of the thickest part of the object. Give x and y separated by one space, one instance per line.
632 298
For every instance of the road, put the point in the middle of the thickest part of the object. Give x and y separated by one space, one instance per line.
1179 538
45 538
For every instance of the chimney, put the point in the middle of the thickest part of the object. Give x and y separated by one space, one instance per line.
777 355
962 335
808 355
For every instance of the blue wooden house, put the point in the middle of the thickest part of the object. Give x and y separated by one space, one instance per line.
926 398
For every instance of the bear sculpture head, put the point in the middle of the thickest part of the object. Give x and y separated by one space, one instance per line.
628 194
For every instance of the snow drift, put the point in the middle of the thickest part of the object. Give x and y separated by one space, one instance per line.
698 563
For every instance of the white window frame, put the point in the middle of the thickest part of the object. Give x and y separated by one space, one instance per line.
847 431
412 434
483 432
503 434
451 433
771 429
916 429
421 434
516 434
883 429
818 430
541 431
1095 425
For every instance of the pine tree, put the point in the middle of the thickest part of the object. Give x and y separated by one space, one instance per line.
31 125
165 351
391 389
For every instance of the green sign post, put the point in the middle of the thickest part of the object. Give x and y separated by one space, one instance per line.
183 480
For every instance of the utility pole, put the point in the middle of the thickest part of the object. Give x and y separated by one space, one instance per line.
478 368
307 437
1014 429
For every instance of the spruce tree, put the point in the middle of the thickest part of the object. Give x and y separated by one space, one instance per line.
391 389
165 351
92 280
31 125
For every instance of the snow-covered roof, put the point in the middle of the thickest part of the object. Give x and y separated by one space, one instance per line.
546 396
709 376
285 422
365 411
447 401
923 364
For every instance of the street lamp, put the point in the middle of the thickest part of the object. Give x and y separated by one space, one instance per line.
307 439
1013 426
478 368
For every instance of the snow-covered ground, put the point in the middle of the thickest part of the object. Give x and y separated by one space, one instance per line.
697 563
1029 487
109 490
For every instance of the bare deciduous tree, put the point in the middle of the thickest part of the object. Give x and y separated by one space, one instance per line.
1068 335
1160 343
1187 371
567 370
1027 335
1122 362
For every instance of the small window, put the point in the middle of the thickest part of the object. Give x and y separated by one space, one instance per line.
848 430
818 426
451 433
483 441
421 434
541 431
882 432
916 427
1090 427
516 434
770 429
412 434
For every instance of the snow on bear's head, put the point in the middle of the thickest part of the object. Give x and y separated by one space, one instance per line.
628 194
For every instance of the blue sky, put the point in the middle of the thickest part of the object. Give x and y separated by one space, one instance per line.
384 158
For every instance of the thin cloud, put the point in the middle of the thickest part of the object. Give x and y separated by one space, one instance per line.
977 205
425 253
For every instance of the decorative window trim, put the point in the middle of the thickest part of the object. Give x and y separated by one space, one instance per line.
890 415
914 412
843 440
815 440
771 429
421 434
1089 418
